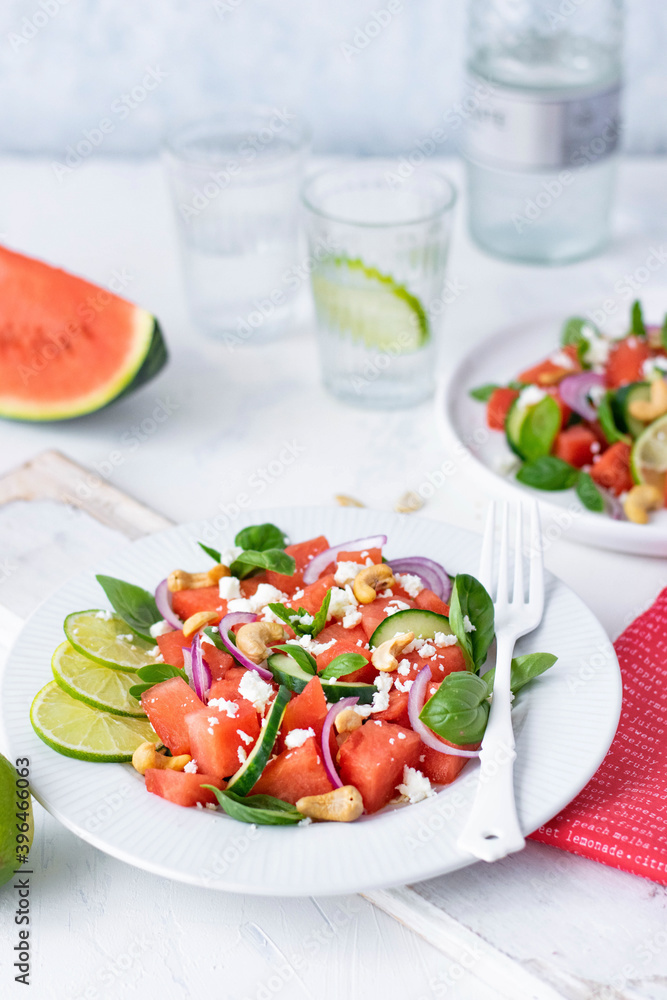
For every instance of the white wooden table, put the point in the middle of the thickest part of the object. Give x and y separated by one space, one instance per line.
540 924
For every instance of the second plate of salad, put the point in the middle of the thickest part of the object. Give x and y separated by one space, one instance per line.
574 411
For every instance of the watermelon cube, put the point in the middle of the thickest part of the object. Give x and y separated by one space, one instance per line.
216 737
167 704
294 773
188 602
180 788
441 768
171 646
373 757
307 710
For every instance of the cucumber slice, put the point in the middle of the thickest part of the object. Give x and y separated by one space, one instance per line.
531 430
250 771
424 624
287 671
620 404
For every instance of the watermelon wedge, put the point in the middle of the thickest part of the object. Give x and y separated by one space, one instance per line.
68 347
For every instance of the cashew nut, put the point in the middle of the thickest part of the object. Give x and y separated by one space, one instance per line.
640 500
647 410
197 621
252 639
180 579
343 805
369 580
384 656
147 756
347 721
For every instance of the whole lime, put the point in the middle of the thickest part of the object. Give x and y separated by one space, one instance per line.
15 821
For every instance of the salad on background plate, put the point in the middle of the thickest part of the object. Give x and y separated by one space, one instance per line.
592 416
285 683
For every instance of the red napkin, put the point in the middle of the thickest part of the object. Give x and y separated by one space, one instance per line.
620 817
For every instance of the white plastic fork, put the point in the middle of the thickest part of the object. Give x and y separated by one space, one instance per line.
492 830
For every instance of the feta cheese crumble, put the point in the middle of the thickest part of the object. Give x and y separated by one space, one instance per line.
562 360
468 625
597 351
124 638
395 606
297 737
191 767
529 396
351 619
242 755
106 616
265 594
227 556
654 367
383 683
244 736
404 667
427 650
342 603
443 639
415 786
230 708
229 587
255 690
410 583
346 572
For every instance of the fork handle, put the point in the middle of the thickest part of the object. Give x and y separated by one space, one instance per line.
492 830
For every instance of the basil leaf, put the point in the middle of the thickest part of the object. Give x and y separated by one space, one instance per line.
539 428
155 673
607 419
637 325
548 473
214 636
306 661
471 603
484 392
213 553
261 537
589 494
571 334
252 559
295 618
459 709
344 664
320 619
264 810
134 605
524 669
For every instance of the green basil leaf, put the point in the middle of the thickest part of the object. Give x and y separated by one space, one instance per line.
459 710
305 660
260 537
484 392
539 428
273 559
524 669
470 602
213 553
637 325
548 473
344 664
155 673
320 619
134 605
608 422
571 334
138 689
214 636
295 619
589 494
264 810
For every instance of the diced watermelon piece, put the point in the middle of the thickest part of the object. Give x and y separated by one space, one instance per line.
429 601
314 594
398 709
548 372
612 469
167 704
302 553
187 602
181 788
171 646
218 663
355 556
375 612
228 686
346 642
295 773
215 744
447 660
373 757
626 361
577 445
442 768
307 710
498 407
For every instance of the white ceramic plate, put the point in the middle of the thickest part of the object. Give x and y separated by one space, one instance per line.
462 421
565 723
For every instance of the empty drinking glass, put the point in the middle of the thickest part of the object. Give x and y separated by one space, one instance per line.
235 180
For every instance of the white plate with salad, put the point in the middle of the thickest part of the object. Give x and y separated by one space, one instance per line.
577 414
366 580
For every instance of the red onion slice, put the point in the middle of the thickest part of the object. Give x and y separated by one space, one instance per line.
574 392
415 705
163 601
329 765
316 566
430 572
236 618
201 675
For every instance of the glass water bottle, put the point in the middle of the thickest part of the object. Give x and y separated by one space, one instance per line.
542 126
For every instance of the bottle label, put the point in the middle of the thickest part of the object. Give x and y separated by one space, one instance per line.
518 129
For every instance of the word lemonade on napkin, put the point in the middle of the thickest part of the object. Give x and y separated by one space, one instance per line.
620 817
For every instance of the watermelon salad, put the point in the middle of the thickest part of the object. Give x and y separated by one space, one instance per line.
285 683
593 417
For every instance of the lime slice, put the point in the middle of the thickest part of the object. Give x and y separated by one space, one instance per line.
98 686
76 730
108 640
648 458
369 306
